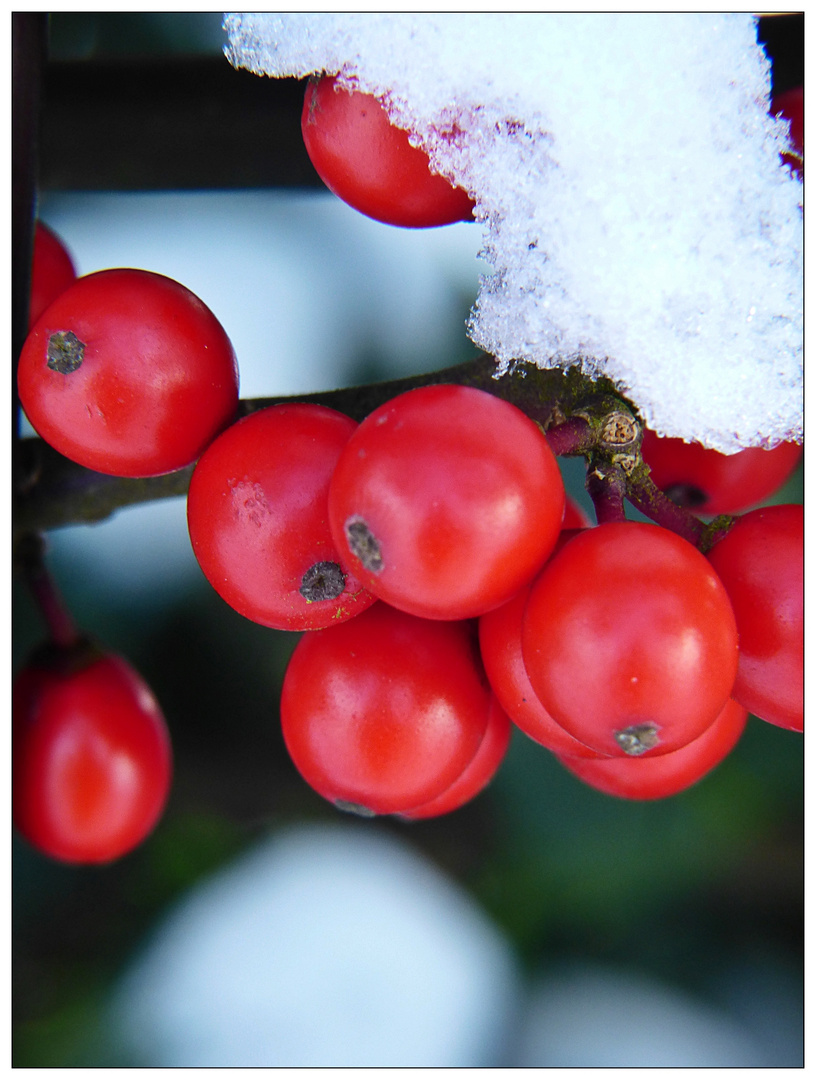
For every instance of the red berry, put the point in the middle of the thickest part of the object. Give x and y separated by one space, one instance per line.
128 373
257 511
477 774
708 482
629 639
666 774
52 271
370 164
500 643
382 713
448 500
791 104
91 755
574 516
760 561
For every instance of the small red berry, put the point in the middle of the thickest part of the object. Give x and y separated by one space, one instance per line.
91 755
708 482
257 511
791 105
383 713
447 501
500 643
477 774
52 271
128 373
760 561
370 164
629 639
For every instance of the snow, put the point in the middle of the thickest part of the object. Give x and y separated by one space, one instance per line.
324 946
595 1016
635 215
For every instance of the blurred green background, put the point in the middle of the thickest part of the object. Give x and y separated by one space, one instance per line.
684 889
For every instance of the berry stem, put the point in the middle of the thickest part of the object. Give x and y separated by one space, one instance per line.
643 494
578 415
53 492
30 557
606 486
570 438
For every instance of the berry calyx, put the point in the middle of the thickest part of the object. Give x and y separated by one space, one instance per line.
659 777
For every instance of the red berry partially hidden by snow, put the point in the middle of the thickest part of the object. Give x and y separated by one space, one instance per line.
791 104
708 482
370 164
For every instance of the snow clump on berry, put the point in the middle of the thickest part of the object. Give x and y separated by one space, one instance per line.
626 173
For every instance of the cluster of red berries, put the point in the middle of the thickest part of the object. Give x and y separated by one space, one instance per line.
445 587
425 552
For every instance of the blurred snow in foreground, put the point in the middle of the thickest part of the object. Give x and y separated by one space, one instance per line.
343 946
330 946
596 1017
636 213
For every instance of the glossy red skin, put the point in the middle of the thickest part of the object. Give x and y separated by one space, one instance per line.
477 774
52 271
500 644
91 762
761 564
384 712
667 774
257 511
370 164
731 482
157 383
627 625
461 492
574 516
791 103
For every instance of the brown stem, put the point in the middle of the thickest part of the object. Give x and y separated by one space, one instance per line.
53 492
579 416
650 500
606 486
571 438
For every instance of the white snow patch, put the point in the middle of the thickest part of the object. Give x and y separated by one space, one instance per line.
634 209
